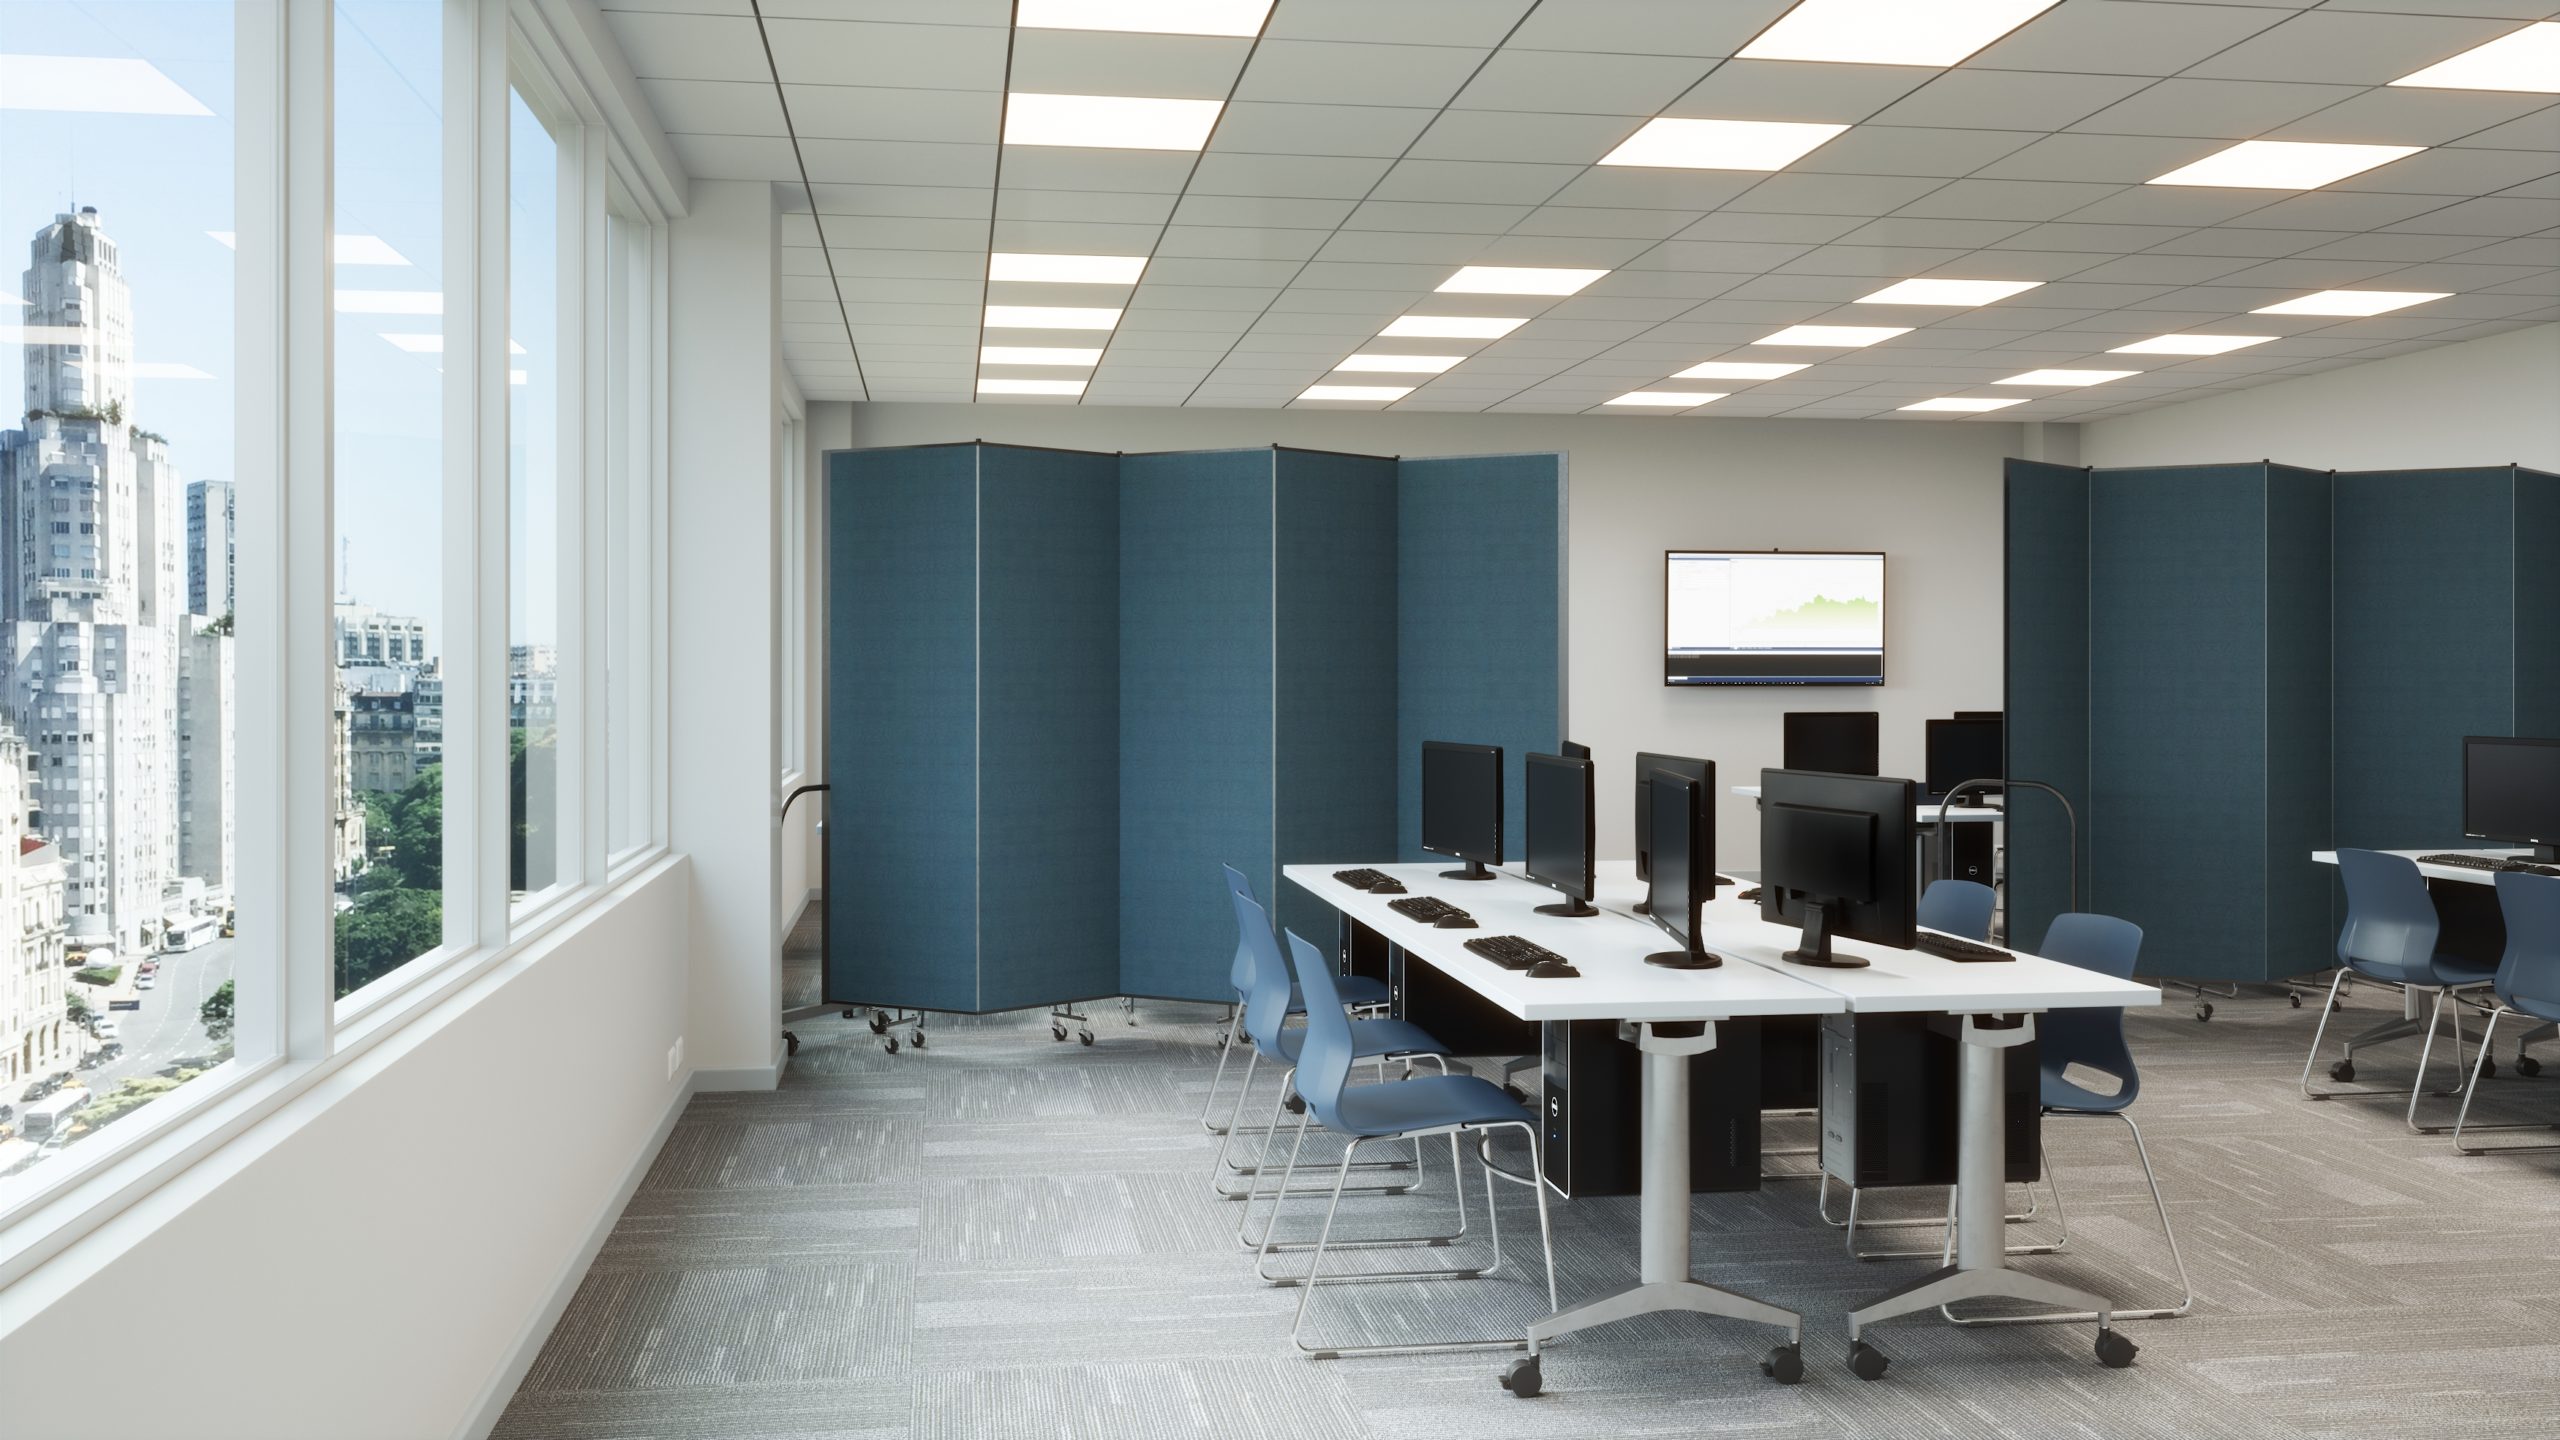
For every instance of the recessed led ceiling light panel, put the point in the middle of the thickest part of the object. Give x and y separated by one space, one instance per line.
2352 302
2191 344
1067 269
1148 17
1400 364
1517 280
1948 292
1451 327
2526 59
1108 122
1967 404
2066 377
1720 144
1668 399
98 84
2283 165
1355 392
998 385
1051 317
1891 32
1037 355
1833 337
1738 370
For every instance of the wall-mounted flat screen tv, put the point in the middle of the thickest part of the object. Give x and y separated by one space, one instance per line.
1773 617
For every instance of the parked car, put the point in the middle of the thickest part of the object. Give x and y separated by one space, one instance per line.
104 1027
145 981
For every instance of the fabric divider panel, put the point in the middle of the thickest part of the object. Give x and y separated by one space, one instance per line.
2537 603
2047 685
2297 743
1479 621
1049 726
1195 679
1334 660
902 876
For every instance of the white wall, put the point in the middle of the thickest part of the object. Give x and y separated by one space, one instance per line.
724 641
2492 401
369 1259
1926 492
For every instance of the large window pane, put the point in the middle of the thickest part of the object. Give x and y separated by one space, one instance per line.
388 862
533 502
117 774
628 531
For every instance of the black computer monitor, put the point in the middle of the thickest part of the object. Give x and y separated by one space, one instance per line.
1558 854
1835 858
1462 805
1571 751
1979 714
1964 749
1837 742
2511 792
1683 871
1702 771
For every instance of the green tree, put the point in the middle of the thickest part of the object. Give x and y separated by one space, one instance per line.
76 1005
384 931
215 1012
416 831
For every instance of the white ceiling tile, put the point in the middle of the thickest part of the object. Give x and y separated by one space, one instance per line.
1519 135
691 47
2339 210
716 107
950 292
1587 306
1592 220
2389 116
1681 284
898 162
1406 22
1335 73
1474 182
1046 167
2121 37
1371 275
1195 270
1103 62
2180 205
1226 242
1630 188
851 52
1571 251
2007 199
945 202
1229 298
1375 307
1267 212
1413 247
2394 247
2237 240
2297 273
736 157
1873 261
2347 47
846 112
1794 194
2214 109
1647 27
1068 237
1793 90
1833 288
1435 217
853 260
2491 216
1738 257
1272 127
2454 172
2164 269
1585 83
1912 150
1311 176
1967 99
885 232
1102 206
2537 131
2534 250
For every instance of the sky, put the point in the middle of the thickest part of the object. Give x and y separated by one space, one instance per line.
163 184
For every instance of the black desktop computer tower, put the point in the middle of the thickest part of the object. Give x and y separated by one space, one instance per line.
1957 850
1591 1102
1889 1111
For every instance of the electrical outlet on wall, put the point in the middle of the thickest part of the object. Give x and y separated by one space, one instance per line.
675 1058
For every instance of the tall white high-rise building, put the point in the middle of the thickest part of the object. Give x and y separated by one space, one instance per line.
91 585
212 562
206 744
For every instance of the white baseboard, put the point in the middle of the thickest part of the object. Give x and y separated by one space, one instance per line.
752 1077
485 1415
800 911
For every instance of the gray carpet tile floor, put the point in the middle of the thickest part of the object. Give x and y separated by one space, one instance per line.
1001 1236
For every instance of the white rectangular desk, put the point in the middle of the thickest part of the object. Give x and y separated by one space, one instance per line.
1995 1003
2463 873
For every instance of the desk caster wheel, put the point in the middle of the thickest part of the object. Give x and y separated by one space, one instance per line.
890 1044
1084 1037
2114 1351
2527 1066
1057 1032
790 1043
1866 1361
1784 1364
1521 1377
879 1022
2204 1010
2343 1071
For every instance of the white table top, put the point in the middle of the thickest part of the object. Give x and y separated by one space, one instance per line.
2441 872
1609 950
1928 810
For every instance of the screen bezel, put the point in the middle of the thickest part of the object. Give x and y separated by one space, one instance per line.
1589 876
1884 577
1460 747
1686 931
1706 779
1930 791
2467 742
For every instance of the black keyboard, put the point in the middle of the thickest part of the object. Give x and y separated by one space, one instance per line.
1366 879
1511 952
1948 947
1425 908
2494 864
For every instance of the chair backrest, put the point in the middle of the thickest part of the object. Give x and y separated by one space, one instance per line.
2390 919
2093 1037
1324 1054
1958 907
1266 993
2530 969
1240 970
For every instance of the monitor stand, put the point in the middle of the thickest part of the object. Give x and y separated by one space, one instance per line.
1571 907
1815 947
1475 871
1692 958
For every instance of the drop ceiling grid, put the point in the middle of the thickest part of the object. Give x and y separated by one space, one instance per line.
2028 166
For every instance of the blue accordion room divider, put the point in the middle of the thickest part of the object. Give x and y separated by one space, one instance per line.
2228 667
1064 687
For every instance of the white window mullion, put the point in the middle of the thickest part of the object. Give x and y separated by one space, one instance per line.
475 551
583 171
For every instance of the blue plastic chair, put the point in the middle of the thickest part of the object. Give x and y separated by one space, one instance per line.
1266 1012
1414 1109
2527 983
2390 938
1961 908
1360 992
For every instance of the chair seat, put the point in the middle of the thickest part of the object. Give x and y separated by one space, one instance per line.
1373 1038
2445 970
2056 1093
2538 1006
1426 1103
1357 991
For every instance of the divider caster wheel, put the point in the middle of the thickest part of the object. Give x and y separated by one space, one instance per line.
2204 1010
790 1043
1784 1364
1296 1105
1521 1377
2114 1351
1866 1361
879 1022
1084 1037
2343 1071
1057 1032
2294 999
890 1044
917 1040
2527 1066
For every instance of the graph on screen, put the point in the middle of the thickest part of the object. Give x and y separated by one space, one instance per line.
1773 618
